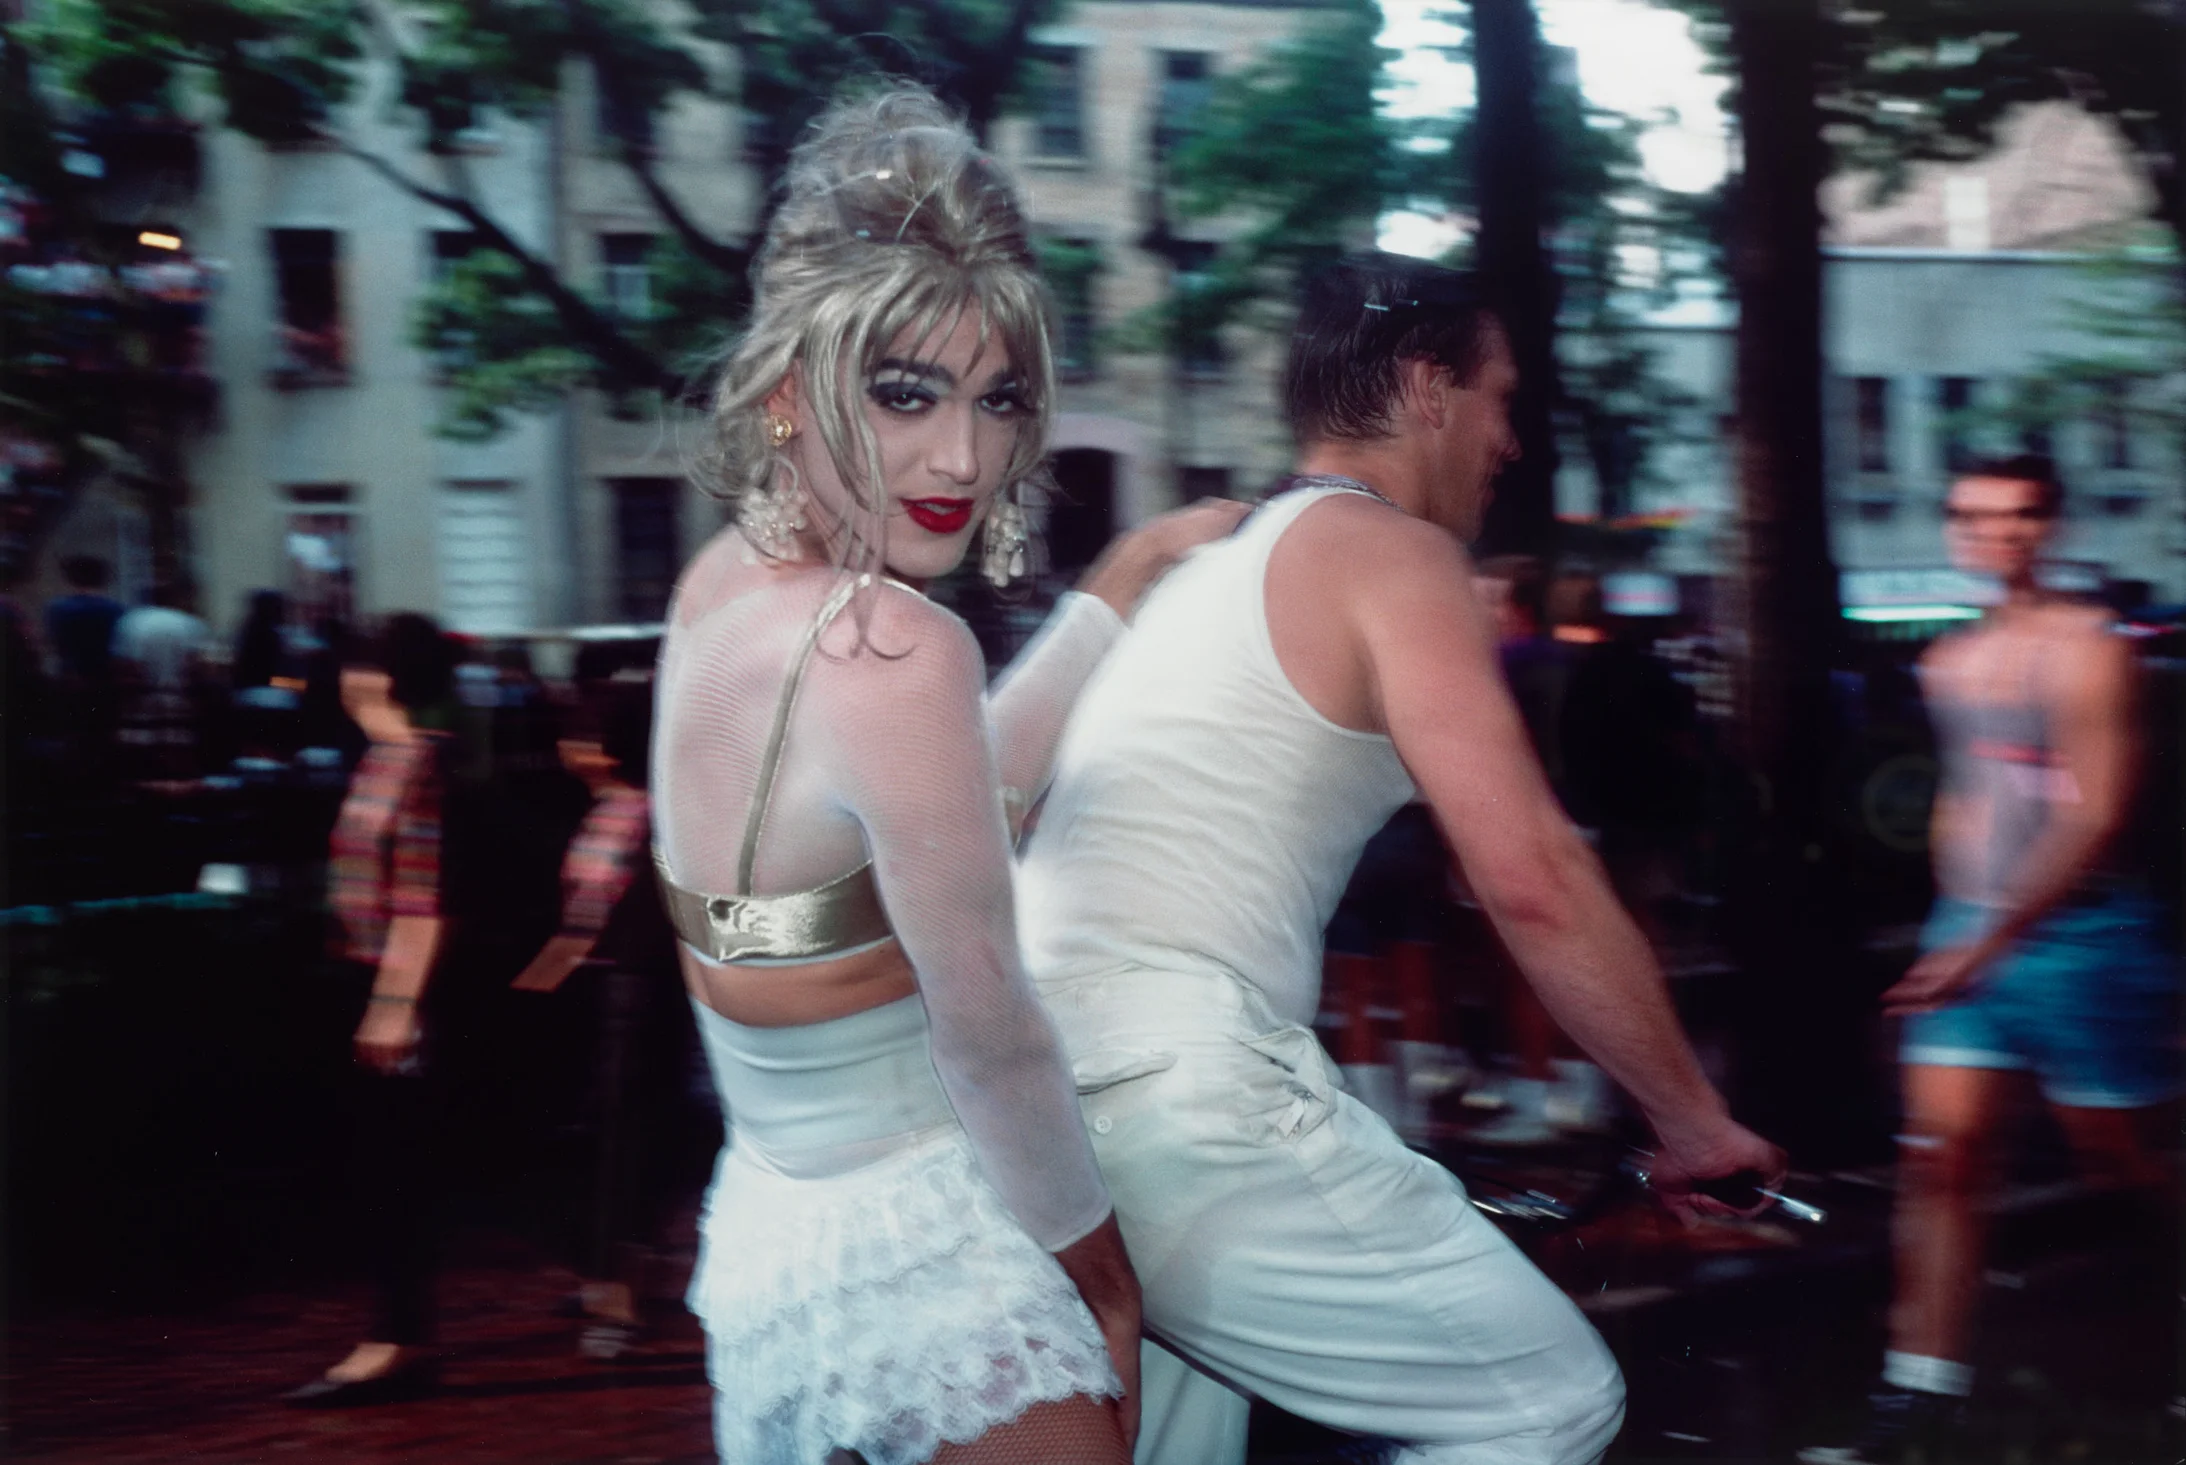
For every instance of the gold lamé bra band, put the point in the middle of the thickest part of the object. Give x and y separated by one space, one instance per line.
827 920
839 916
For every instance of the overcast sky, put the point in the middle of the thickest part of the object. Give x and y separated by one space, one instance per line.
1634 57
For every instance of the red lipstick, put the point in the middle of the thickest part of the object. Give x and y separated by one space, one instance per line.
939 516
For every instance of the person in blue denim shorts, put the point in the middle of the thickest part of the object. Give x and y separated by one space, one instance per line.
2040 958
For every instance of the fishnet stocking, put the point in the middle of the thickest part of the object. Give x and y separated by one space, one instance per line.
1079 1430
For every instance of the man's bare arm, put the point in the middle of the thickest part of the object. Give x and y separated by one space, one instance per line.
1442 698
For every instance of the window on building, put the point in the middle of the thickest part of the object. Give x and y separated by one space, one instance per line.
1058 100
318 552
2114 426
1954 408
486 558
626 277
645 546
307 283
480 134
450 247
1871 423
1070 265
1198 332
1203 483
618 118
1187 81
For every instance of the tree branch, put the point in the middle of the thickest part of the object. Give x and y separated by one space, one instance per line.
986 82
732 260
593 328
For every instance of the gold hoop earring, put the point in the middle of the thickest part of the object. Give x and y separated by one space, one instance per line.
779 429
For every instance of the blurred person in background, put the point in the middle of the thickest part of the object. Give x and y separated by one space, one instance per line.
80 624
642 1043
160 649
2040 959
907 1252
261 643
163 642
1630 757
385 890
1272 705
1514 588
1381 947
1552 1088
324 719
25 743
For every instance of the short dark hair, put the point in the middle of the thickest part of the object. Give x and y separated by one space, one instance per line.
2038 469
1359 319
86 571
416 654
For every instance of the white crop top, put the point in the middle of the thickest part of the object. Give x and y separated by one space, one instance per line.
894 752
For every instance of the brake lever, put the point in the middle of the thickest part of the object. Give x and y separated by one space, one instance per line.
1743 1191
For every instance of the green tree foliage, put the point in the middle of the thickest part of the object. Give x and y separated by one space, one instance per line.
1909 81
2126 368
1599 211
1293 150
511 330
1932 79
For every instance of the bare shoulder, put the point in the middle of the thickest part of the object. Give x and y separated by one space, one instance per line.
2076 624
2084 646
1947 654
1341 534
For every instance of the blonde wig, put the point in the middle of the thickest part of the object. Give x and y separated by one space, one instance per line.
893 223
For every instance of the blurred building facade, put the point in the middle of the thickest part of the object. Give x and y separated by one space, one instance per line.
1948 307
1114 88
320 472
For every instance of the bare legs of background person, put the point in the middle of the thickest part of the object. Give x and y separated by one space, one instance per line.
1947 1174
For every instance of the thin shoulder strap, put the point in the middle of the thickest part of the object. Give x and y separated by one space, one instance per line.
771 761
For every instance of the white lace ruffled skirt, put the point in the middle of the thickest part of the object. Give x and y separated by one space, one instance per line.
861 1284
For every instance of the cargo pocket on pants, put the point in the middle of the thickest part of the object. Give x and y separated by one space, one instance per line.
1306 1084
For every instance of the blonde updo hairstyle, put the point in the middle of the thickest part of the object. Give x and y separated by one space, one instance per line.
893 223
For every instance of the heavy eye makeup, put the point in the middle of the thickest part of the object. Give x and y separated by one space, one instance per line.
1006 399
899 391
910 388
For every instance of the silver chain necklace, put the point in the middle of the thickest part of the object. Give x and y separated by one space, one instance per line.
1338 480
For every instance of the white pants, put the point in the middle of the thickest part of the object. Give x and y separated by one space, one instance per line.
1292 1248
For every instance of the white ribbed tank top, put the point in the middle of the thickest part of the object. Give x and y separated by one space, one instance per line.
1203 815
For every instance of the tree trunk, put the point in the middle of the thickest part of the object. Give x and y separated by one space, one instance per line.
1805 1008
1786 585
1513 264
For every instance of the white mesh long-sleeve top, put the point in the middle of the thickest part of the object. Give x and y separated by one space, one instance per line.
893 752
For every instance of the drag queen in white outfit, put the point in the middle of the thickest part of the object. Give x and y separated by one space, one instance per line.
908 1253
